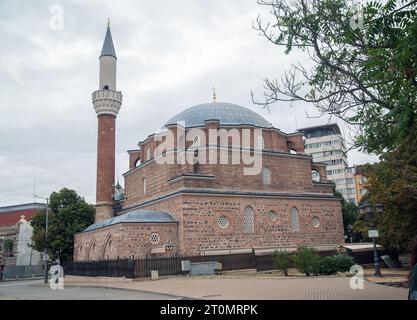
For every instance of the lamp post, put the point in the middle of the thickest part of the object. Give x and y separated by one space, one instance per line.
368 211
46 237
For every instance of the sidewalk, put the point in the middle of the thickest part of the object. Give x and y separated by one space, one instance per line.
240 288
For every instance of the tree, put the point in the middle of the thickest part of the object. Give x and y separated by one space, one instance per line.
8 247
307 261
393 183
363 64
349 214
68 215
282 261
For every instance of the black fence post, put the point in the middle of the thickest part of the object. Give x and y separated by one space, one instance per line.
255 262
118 267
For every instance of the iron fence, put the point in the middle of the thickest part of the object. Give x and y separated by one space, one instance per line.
167 266
142 267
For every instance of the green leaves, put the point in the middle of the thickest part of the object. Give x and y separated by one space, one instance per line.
68 215
282 261
363 72
307 261
393 182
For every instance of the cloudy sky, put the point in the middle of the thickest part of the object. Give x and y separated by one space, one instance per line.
170 56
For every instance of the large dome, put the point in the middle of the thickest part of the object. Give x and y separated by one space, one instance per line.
226 113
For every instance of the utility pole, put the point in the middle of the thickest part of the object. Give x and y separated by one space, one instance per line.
46 236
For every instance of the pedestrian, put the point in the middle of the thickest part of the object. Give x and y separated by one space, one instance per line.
413 273
1 272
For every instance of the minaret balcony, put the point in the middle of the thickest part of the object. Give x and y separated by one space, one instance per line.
107 102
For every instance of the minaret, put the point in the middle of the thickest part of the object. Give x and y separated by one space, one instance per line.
107 102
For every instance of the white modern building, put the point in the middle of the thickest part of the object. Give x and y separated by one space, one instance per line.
326 144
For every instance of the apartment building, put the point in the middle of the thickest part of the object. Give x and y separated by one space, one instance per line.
326 144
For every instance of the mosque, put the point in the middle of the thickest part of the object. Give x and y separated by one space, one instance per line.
218 177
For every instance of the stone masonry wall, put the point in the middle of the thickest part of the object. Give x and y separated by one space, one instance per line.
123 241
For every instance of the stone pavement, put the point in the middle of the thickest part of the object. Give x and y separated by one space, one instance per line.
239 288
37 290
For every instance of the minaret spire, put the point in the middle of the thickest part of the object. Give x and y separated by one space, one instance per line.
108 46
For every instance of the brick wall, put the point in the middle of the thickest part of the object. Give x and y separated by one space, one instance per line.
199 231
123 240
289 173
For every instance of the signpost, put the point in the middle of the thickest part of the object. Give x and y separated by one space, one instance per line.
373 234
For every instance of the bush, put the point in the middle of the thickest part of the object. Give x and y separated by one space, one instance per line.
343 263
282 261
338 263
307 261
328 266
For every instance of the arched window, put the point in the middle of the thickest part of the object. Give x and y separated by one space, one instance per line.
93 252
148 154
316 222
144 185
295 224
315 175
266 176
248 220
261 142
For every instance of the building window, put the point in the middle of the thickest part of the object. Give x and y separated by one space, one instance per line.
144 185
315 175
248 220
272 216
266 176
154 238
316 222
261 142
223 222
148 154
295 224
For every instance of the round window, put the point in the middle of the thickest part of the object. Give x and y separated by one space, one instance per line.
154 238
272 215
316 222
223 222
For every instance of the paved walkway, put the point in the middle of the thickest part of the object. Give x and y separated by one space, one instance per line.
37 290
313 288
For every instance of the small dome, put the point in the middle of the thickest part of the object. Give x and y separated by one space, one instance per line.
225 113
135 216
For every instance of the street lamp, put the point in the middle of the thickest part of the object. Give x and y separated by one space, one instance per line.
46 236
368 211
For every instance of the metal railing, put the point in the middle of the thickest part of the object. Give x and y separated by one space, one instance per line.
142 267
